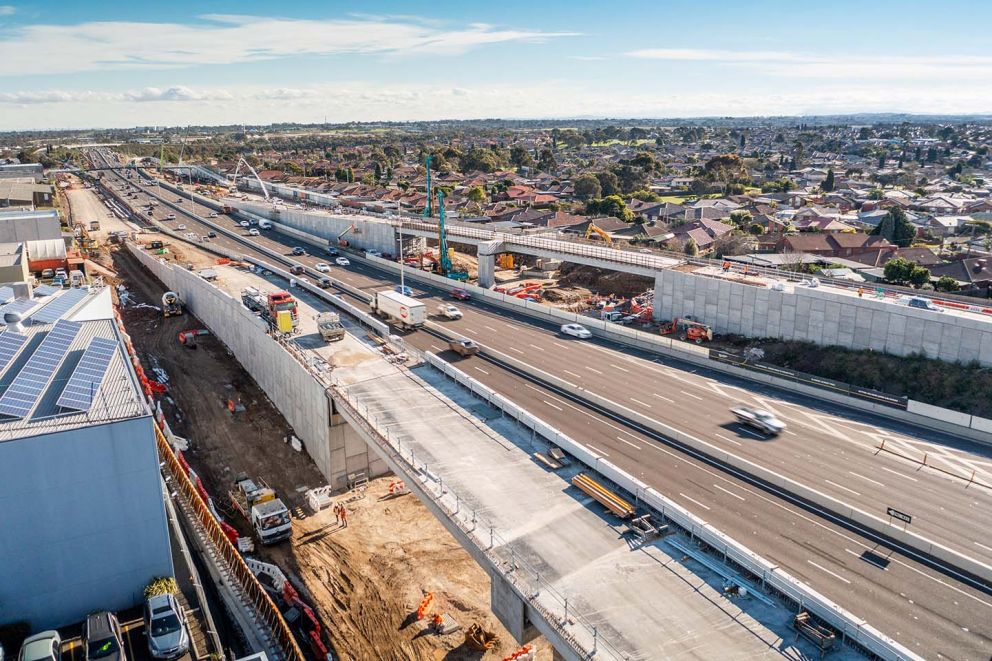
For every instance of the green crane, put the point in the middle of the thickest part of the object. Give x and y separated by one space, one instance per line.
444 260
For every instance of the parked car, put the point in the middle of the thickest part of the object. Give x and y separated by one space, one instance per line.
44 646
342 261
296 251
165 626
403 289
102 638
61 273
460 294
576 330
253 232
322 267
48 274
58 281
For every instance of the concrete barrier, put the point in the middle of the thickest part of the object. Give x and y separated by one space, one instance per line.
849 625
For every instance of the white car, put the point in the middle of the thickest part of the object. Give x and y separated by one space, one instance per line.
342 261
213 214
322 267
576 330
171 216
449 311
253 232
244 223
180 226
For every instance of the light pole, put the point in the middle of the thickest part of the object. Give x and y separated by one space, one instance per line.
402 261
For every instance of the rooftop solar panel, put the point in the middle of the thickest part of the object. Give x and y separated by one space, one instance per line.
20 306
6 295
40 290
10 344
36 374
59 307
88 375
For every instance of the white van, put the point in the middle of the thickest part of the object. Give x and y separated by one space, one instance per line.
264 225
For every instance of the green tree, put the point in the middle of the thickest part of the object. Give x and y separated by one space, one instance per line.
897 270
896 228
477 194
876 194
757 229
377 171
947 283
828 183
740 218
608 182
547 162
350 173
587 187
699 187
612 205
690 248
919 276
520 157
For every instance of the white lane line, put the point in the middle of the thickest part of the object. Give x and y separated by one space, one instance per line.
749 432
591 369
517 350
577 376
552 405
617 367
841 486
637 401
987 548
867 479
727 438
834 574
621 438
790 432
662 397
559 344
480 369
511 326
729 492
536 347
469 330
436 348
894 472
689 394
867 559
491 328
693 500
596 450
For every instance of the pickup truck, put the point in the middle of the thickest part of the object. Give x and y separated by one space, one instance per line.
329 326
448 311
759 419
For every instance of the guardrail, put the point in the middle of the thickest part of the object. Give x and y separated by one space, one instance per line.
851 627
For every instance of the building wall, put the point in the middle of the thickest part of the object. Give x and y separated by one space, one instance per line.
18 226
83 522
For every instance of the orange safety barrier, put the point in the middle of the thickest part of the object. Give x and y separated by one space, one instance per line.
223 261
230 405
523 651
424 605
396 485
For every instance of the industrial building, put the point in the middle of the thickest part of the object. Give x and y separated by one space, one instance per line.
21 225
33 171
14 193
84 522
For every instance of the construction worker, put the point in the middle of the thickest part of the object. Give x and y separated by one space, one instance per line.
745 270
726 265
344 516
437 622
337 514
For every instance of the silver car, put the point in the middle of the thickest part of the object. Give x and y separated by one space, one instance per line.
165 625
44 646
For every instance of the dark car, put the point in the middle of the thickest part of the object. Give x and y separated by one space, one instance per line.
299 251
212 235
460 294
324 283
102 638
296 270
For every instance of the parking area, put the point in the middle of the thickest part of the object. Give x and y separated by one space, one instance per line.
133 629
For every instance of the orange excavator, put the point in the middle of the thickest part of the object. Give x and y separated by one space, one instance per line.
687 329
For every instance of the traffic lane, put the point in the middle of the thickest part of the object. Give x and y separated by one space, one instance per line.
931 614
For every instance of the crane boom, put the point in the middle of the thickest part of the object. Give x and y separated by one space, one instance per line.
429 209
237 170
445 259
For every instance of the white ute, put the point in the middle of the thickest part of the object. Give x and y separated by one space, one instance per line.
448 311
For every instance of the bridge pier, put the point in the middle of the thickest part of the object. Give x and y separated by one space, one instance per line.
657 311
487 262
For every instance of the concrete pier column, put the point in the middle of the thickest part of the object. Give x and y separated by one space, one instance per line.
657 303
487 270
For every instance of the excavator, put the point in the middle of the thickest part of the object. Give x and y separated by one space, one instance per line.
592 229
687 329
341 240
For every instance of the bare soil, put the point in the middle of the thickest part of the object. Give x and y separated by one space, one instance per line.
364 581
600 281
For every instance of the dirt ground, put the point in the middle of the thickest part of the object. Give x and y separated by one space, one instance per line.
600 281
365 581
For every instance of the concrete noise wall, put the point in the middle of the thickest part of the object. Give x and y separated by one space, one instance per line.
293 390
822 316
367 235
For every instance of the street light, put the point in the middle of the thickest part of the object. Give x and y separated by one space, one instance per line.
402 261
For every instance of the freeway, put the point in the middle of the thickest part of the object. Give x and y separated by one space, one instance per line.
929 612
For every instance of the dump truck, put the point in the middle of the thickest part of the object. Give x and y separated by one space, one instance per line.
404 311
260 506
171 305
329 326
279 308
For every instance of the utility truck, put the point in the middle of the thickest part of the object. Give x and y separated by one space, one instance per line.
260 506
404 311
329 326
279 308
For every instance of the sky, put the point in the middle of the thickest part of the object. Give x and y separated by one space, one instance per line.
74 64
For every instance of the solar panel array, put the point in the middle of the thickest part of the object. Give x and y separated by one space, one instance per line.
20 306
42 290
6 295
88 375
10 344
61 305
37 373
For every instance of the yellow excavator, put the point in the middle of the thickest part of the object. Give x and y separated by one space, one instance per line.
592 229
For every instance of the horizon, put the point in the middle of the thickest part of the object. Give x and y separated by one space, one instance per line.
73 67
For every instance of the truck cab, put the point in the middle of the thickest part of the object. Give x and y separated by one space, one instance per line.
329 326
267 514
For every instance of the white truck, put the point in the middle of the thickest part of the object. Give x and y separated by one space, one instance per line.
329 326
266 513
404 311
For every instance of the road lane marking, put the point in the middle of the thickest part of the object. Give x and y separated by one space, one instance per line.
662 397
469 330
868 479
536 347
727 438
595 449
491 328
729 492
987 548
834 574
689 394
749 432
559 344
517 350
552 405
841 486
480 369
894 472
436 347
693 500
617 367
577 376
621 438
592 369
790 432
511 326
637 401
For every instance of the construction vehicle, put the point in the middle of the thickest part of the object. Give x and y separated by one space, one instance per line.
279 308
759 419
592 229
341 240
329 326
260 506
227 209
464 347
402 310
444 257
687 329
171 305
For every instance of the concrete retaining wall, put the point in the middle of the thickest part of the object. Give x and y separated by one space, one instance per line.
298 395
367 235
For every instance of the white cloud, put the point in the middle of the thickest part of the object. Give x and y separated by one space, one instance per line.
177 93
7 10
710 55
586 58
229 39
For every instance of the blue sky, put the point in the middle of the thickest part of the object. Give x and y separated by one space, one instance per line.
95 63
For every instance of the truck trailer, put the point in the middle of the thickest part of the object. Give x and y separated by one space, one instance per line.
404 311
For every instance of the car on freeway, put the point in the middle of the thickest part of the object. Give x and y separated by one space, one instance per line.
403 289
244 223
165 626
322 267
171 216
212 235
296 251
324 282
448 311
180 226
464 347
151 212
342 261
102 638
922 303
759 419
179 200
253 232
297 269
333 252
460 294
373 253
44 646
576 330
212 214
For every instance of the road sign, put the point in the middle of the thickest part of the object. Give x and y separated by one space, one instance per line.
896 514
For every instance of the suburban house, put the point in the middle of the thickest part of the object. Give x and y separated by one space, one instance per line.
834 245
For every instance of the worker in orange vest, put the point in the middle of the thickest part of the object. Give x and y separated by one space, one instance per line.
726 265
437 622
344 516
861 292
